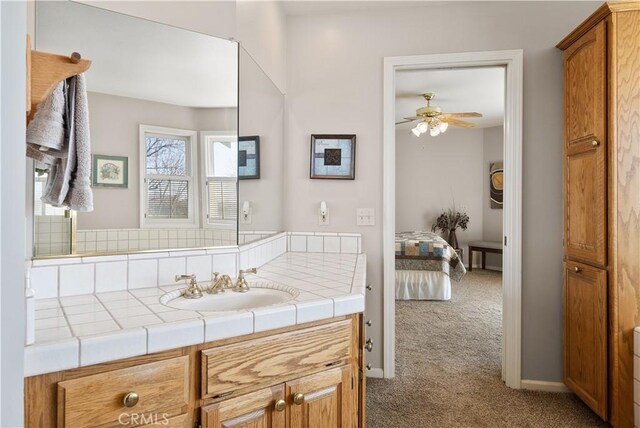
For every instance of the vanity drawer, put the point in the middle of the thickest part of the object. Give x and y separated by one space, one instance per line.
258 362
99 400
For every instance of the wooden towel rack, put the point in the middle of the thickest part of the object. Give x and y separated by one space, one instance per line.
45 71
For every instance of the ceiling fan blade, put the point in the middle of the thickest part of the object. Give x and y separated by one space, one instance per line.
408 119
467 114
460 123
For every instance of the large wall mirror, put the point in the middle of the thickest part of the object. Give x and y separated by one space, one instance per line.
163 106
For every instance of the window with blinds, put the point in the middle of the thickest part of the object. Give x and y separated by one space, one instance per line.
167 162
222 200
221 171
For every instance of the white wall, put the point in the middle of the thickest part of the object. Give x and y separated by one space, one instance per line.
334 85
13 20
261 29
432 173
491 218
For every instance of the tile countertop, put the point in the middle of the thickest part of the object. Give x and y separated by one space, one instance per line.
82 330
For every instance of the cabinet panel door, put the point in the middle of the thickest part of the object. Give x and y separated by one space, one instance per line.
586 148
328 400
585 334
254 410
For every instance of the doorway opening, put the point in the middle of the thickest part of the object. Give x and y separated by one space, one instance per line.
510 62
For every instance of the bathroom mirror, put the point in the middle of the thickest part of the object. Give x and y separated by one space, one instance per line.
163 107
261 153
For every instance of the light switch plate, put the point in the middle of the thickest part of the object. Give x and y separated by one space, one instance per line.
365 217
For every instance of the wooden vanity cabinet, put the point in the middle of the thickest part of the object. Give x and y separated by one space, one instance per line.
303 376
602 208
323 400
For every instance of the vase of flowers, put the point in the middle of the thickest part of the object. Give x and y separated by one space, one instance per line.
448 222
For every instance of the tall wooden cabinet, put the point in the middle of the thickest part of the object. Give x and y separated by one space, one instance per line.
602 208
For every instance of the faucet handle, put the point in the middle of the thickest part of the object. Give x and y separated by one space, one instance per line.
242 272
214 276
185 276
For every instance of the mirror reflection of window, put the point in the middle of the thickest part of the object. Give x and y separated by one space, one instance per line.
169 170
221 171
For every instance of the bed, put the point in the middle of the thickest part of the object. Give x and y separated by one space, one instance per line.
425 265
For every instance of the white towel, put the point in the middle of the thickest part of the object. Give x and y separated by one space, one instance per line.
46 129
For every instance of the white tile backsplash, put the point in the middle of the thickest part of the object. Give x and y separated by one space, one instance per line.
44 281
76 279
298 244
143 273
200 266
315 244
225 264
331 244
111 276
170 267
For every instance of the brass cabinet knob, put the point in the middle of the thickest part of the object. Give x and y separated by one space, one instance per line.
368 345
369 287
131 399
298 398
577 269
369 366
369 323
280 405
595 143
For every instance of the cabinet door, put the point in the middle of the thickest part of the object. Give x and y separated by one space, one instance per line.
261 409
323 400
585 334
585 148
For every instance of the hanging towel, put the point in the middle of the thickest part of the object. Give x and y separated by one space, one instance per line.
80 196
46 130
68 182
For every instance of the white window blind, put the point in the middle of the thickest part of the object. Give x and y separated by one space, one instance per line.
167 198
223 203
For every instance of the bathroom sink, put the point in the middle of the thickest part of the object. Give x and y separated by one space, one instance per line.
259 295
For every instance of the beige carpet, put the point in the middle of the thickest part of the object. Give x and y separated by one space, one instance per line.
448 369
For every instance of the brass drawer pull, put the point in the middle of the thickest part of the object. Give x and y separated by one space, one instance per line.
368 345
280 405
298 398
595 143
369 323
576 269
131 399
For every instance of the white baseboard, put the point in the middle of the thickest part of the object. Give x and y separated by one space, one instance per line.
487 267
541 385
375 372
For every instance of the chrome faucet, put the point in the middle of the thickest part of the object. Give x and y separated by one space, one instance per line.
193 291
219 283
242 286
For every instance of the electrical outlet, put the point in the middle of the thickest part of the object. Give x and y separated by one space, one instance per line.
365 217
246 218
323 220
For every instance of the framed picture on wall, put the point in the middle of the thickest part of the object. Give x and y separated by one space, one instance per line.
496 185
333 156
110 171
249 157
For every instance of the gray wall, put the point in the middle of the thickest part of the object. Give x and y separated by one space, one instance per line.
491 218
262 113
432 173
114 127
334 85
13 21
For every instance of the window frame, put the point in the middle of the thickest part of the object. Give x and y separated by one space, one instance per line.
230 136
192 221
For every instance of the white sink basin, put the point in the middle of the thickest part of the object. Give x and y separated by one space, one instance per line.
259 294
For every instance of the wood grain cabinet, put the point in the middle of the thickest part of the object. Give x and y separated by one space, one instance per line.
602 208
323 400
296 377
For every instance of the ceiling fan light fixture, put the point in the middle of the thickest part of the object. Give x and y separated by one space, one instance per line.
434 132
423 127
443 126
416 131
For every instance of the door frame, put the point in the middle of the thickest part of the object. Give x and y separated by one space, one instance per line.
512 216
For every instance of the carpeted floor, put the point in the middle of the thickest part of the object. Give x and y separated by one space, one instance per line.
448 369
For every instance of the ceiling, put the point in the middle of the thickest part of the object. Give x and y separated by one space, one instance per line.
457 90
136 58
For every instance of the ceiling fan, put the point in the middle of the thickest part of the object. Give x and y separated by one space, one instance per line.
432 118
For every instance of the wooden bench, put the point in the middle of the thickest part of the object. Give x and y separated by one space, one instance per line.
484 247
